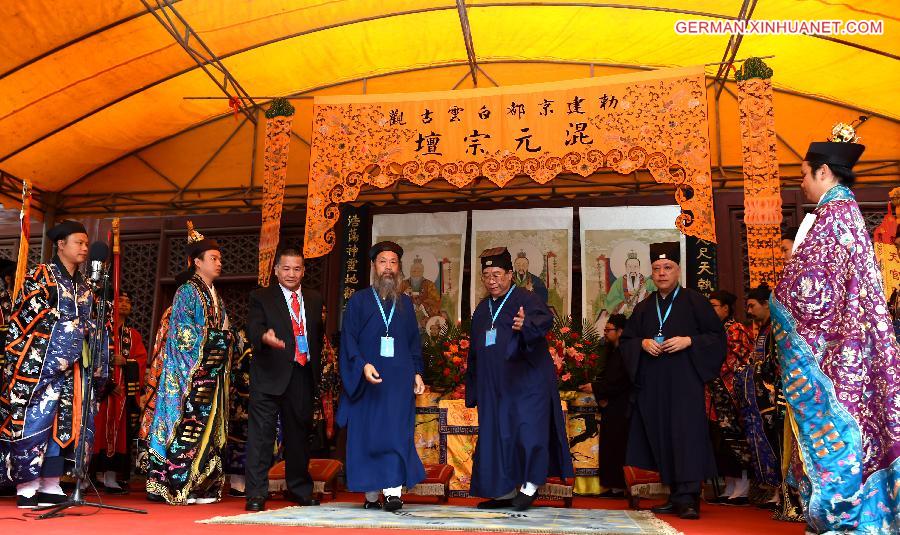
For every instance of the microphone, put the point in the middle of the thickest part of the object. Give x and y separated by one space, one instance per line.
98 254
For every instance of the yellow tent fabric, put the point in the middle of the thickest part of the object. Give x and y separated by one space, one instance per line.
86 87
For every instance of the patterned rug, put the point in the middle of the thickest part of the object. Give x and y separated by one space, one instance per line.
452 518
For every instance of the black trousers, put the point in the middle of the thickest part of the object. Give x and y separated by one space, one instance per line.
685 492
295 406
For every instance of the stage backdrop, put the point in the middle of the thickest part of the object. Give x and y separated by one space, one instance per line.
654 120
433 248
615 256
540 242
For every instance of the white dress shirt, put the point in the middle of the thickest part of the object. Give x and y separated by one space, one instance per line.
287 297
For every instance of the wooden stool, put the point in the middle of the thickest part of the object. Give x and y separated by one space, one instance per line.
324 472
640 482
556 489
437 482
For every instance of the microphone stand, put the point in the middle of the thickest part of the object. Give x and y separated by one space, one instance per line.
95 349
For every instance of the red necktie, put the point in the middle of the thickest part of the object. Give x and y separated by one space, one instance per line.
299 357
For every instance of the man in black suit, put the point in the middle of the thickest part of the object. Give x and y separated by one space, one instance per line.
284 326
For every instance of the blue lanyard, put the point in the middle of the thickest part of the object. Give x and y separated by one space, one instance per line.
662 319
387 319
491 307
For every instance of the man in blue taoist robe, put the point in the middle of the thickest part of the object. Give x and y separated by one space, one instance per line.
381 367
511 378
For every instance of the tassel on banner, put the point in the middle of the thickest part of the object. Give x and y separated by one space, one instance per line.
235 104
24 236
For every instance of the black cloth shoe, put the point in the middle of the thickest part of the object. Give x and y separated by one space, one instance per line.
23 502
495 504
234 493
612 494
372 505
155 498
45 498
392 503
667 508
523 501
740 501
688 512
255 504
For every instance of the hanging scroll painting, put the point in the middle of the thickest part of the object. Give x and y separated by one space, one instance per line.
433 248
540 243
615 256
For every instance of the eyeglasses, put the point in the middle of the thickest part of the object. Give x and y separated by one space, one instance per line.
491 276
609 329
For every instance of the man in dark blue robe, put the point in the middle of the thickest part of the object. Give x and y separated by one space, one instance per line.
381 368
672 345
511 378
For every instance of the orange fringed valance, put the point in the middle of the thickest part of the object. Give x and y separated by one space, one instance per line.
762 189
278 137
654 120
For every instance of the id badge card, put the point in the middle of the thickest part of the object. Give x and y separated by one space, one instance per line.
302 344
387 346
490 337
659 339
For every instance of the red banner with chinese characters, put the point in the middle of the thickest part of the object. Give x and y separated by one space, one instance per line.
762 189
653 120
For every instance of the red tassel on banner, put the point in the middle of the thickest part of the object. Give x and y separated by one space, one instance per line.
235 104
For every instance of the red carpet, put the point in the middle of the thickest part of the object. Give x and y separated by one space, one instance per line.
168 520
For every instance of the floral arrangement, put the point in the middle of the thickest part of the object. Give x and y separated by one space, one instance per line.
576 352
843 133
445 358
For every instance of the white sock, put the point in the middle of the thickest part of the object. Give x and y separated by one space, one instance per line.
29 488
729 486
109 479
372 496
741 487
392 491
50 485
509 495
236 482
528 489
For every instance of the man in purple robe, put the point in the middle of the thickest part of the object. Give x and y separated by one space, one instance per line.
839 355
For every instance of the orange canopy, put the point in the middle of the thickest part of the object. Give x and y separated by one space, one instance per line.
92 96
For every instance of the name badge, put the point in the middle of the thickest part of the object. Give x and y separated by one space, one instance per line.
387 346
490 337
659 339
302 344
